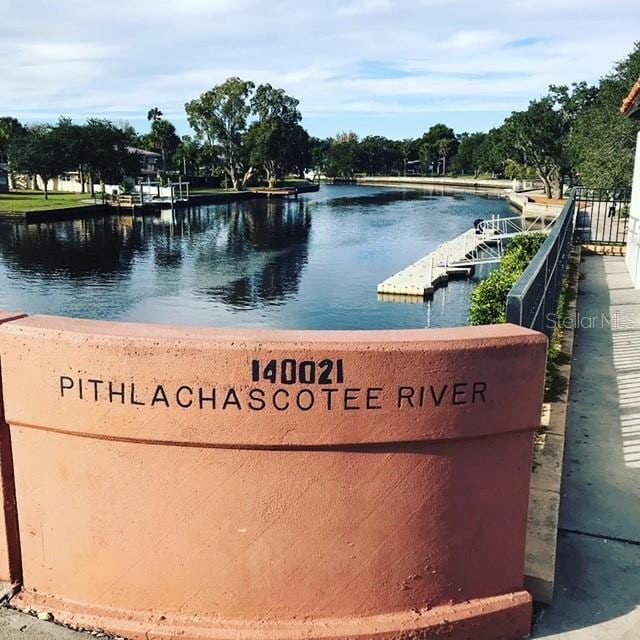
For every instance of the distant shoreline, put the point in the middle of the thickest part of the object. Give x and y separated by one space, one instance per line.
471 183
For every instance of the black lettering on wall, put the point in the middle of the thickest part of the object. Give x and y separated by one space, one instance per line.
405 393
437 399
134 400
306 404
351 399
95 384
459 393
202 398
232 400
160 396
373 395
256 400
181 392
478 390
66 383
114 393
284 406
329 393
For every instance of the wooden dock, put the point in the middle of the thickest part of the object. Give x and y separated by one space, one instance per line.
133 203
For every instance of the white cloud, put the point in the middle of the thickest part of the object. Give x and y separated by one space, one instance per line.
346 57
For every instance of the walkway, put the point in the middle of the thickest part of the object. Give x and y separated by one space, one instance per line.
598 581
15 625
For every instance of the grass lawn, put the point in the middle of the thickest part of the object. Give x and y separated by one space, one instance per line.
20 201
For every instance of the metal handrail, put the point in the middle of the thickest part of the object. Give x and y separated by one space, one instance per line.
602 216
533 299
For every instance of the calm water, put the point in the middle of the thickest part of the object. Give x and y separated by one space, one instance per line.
313 263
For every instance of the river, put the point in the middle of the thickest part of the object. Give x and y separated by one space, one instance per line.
311 263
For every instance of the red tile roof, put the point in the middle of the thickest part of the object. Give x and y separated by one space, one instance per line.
632 100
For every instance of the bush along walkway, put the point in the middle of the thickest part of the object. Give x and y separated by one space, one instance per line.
489 299
597 594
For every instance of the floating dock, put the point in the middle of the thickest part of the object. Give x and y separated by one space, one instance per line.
458 257
285 192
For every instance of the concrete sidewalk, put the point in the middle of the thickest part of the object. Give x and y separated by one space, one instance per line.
598 581
15 625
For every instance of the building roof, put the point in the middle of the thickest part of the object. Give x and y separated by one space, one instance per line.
631 104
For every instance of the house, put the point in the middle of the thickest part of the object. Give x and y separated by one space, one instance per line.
70 181
4 179
631 109
149 161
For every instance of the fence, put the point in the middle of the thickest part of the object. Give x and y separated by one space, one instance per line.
535 295
602 216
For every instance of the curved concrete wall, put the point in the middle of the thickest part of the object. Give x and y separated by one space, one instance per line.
268 484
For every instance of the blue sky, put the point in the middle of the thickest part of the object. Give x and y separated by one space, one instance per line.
370 66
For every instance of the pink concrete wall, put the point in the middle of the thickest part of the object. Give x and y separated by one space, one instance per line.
388 497
10 570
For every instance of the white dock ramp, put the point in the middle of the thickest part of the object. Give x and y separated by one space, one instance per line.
483 245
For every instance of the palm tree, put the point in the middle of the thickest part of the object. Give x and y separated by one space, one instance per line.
445 147
154 114
186 154
162 135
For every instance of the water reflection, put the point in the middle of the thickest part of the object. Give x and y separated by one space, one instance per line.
308 263
268 245
247 254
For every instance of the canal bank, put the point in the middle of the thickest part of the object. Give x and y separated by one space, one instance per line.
115 207
436 181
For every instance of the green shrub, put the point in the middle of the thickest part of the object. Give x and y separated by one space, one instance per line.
489 299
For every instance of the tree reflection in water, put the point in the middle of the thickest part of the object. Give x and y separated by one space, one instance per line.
248 254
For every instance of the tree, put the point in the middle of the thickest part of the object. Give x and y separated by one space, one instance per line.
187 154
536 138
343 158
542 136
108 157
492 153
438 144
219 117
299 150
380 156
571 103
445 148
275 141
409 149
163 138
319 154
78 146
10 128
154 114
41 150
603 142
130 134
465 160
